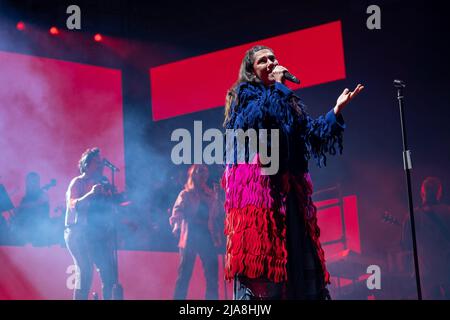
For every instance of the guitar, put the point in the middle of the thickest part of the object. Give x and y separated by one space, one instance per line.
49 185
390 219
25 206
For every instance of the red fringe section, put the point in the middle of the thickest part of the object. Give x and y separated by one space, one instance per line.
256 245
255 221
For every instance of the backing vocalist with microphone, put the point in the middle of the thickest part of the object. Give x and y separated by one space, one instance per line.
90 226
273 249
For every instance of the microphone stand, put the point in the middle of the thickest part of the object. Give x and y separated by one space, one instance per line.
407 165
117 293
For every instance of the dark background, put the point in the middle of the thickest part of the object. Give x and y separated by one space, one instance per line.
411 45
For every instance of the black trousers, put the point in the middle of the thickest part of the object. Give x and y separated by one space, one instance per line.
199 243
87 249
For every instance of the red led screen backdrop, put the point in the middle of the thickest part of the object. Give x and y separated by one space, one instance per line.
50 112
315 55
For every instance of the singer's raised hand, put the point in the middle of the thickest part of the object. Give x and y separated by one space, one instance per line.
345 97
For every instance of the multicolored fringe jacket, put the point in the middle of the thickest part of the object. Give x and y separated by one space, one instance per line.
256 204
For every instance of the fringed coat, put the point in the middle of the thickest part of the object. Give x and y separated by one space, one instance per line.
256 204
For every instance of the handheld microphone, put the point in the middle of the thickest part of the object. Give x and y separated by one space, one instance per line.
110 165
289 76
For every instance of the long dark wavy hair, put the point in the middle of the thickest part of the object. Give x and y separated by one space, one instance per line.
246 74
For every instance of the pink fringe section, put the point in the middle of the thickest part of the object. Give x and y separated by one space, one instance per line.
255 221
244 185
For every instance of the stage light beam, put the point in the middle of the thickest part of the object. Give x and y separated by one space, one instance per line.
54 31
20 26
98 37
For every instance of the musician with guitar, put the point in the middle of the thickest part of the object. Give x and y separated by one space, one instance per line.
432 221
89 226
31 220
